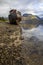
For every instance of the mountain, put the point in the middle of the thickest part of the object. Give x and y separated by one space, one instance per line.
41 21
31 19
26 14
41 18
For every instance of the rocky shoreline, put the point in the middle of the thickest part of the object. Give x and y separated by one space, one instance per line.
17 51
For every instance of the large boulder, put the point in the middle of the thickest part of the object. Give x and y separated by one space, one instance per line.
14 16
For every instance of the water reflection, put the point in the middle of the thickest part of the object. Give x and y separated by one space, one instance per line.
30 30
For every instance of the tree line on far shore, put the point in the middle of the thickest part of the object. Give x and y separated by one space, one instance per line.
3 19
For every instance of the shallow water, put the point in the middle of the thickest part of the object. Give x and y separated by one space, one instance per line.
32 45
36 32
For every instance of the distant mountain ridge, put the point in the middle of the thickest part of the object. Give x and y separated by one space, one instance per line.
26 14
33 20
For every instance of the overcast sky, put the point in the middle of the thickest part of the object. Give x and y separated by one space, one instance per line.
25 6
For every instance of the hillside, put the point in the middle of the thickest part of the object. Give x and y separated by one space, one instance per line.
30 20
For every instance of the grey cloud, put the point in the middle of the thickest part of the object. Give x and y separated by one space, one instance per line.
22 5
